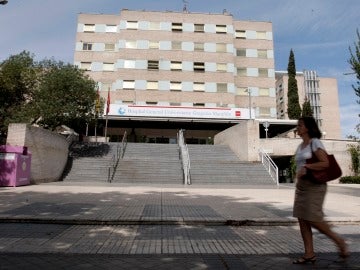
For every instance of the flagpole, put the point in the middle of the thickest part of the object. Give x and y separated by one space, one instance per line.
107 112
106 123
97 108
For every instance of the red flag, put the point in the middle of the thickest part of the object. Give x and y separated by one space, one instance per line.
97 101
108 102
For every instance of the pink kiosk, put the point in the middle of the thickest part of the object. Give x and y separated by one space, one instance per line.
15 163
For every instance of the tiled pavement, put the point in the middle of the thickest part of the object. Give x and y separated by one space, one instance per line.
58 226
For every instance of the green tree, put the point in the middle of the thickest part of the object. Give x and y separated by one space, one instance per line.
66 96
354 62
306 108
18 79
355 158
294 110
48 93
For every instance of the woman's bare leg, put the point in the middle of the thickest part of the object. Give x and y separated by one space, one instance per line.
307 236
324 228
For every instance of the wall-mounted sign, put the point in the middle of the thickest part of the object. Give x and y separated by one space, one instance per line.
178 112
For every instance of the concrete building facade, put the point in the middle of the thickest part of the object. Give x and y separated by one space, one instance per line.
194 67
322 94
163 71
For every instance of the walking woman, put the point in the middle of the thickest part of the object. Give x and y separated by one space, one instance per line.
309 196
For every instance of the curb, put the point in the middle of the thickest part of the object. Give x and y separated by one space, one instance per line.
235 223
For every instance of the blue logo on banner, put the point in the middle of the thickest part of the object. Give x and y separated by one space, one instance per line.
121 111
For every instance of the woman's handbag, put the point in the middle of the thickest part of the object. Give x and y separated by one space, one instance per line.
330 173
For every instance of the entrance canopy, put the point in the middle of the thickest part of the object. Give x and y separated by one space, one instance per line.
276 127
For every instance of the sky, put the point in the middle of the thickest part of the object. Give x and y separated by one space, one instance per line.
320 33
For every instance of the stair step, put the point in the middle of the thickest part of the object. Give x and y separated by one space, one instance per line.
161 164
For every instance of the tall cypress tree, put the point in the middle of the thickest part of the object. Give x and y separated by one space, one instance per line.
294 109
306 108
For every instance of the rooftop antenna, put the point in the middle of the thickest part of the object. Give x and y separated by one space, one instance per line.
185 6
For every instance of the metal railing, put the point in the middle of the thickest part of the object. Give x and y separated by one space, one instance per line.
270 165
123 144
184 156
119 153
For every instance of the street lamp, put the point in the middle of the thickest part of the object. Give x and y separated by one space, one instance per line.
248 90
3 2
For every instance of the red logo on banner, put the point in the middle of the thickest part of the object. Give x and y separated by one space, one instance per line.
237 113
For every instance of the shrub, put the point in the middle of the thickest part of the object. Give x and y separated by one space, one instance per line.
350 180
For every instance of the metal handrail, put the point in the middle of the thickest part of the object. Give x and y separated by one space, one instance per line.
185 158
123 144
270 165
120 151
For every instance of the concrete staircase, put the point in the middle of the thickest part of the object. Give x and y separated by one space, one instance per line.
145 163
150 163
89 162
217 164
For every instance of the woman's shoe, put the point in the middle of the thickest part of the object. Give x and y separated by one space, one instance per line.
304 260
344 253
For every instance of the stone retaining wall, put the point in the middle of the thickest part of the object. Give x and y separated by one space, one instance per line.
49 151
244 140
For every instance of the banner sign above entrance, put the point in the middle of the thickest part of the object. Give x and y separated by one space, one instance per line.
178 112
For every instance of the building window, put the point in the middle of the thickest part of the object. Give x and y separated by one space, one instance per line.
105 86
199 27
110 28
199 67
197 104
223 105
129 84
264 111
85 65
132 25
241 72
128 102
261 35
87 46
154 45
220 47
89 28
175 86
241 52
199 87
176 27
129 63
151 103
263 72
198 46
221 87
176 45
176 65
130 44
242 91
109 47
221 29
264 92
154 26
175 104
108 67
262 53
240 34
222 67
153 65
152 85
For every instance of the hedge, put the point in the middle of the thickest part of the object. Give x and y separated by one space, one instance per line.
350 180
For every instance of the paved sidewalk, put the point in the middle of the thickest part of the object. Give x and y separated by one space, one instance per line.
107 226
89 203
